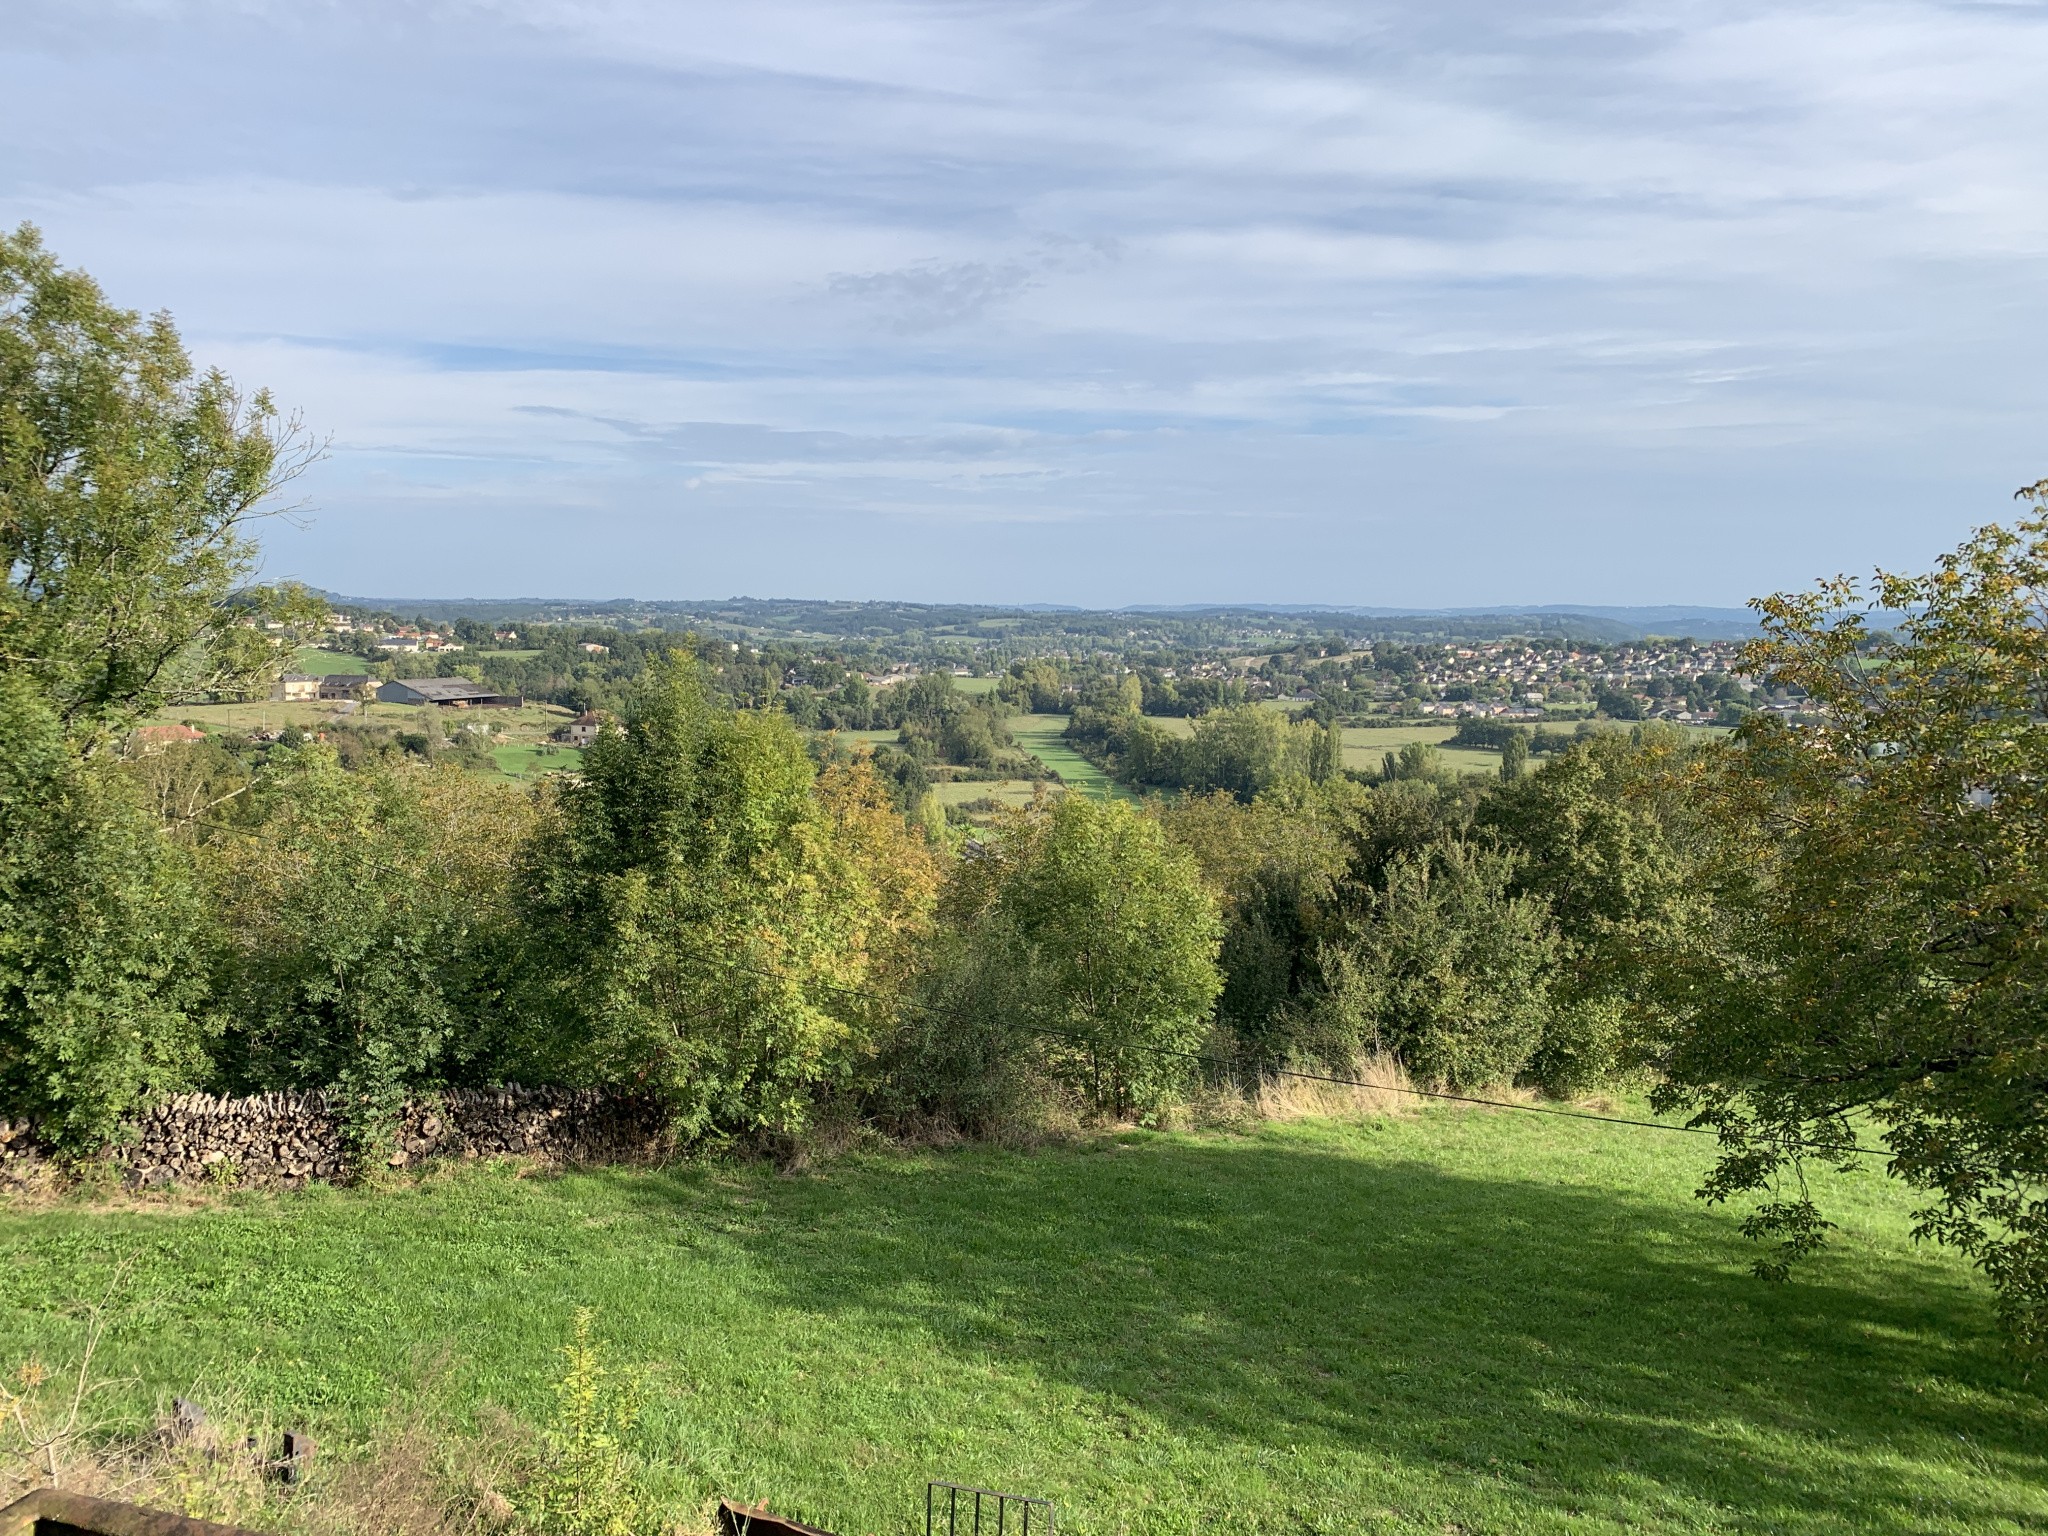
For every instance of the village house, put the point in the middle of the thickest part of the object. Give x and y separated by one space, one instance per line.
295 688
347 685
583 730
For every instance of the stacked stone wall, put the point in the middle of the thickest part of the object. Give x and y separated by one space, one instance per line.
289 1138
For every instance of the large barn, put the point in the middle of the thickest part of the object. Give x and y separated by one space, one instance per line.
448 692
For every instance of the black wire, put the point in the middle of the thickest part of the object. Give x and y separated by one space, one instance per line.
1850 1149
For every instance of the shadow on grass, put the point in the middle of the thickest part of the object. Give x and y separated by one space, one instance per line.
1588 1349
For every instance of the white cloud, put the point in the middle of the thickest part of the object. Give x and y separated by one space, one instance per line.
1093 266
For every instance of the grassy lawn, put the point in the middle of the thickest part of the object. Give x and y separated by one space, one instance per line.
330 663
1455 1322
872 738
528 759
1043 736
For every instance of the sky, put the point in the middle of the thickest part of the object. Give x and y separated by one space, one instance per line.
1453 302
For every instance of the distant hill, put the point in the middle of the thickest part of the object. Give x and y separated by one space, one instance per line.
1189 624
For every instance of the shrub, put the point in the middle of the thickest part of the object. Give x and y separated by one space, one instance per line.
102 990
1446 969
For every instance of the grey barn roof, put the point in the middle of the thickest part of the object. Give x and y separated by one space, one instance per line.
446 689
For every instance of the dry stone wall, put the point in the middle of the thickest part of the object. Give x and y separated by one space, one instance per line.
289 1138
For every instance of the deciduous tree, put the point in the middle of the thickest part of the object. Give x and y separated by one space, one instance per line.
1877 959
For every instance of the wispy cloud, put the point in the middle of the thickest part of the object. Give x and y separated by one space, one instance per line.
1469 300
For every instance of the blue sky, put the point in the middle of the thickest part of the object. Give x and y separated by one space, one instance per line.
1427 303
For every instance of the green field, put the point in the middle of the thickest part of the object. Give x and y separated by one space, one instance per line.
1007 791
1455 1322
321 663
1044 737
531 759
1367 747
872 738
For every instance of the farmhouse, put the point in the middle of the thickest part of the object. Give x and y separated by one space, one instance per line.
346 685
582 731
295 688
448 692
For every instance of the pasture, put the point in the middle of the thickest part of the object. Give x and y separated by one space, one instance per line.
527 760
1044 737
1449 1321
1009 792
311 659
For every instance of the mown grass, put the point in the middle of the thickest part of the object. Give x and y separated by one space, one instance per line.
1368 746
1458 1321
527 759
1044 737
311 659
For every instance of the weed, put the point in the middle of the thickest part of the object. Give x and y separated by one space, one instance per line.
584 1485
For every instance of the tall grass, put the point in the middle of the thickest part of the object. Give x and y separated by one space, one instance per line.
1378 1087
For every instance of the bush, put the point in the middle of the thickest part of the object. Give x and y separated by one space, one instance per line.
1586 1045
361 918
705 918
102 974
1447 970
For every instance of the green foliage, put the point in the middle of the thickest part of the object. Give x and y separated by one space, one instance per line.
1276 866
102 995
1617 705
1878 946
1035 687
1608 840
584 1485
691 924
362 915
1241 749
963 1054
1111 939
1445 967
1326 751
1415 761
126 484
1514 757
